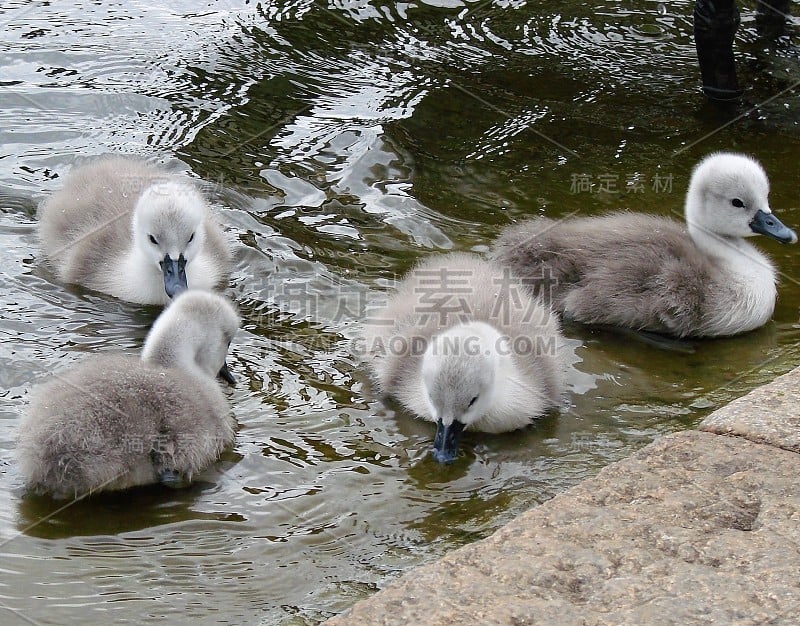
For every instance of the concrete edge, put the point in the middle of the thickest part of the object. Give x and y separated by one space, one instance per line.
768 416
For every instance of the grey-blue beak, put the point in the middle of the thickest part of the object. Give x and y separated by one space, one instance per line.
445 444
225 374
769 225
174 275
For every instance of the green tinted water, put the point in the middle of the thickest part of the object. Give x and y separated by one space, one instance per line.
341 143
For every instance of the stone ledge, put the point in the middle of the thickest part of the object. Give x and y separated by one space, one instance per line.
768 414
694 528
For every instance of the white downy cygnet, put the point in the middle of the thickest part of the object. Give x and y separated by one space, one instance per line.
126 228
652 273
463 344
114 422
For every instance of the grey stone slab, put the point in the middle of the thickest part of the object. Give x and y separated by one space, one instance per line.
768 414
693 529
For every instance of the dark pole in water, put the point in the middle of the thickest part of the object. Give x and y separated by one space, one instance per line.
715 24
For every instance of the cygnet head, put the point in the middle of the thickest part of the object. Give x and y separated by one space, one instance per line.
728 196
459 368
193 332
168 229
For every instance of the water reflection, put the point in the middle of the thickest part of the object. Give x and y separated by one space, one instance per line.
40 516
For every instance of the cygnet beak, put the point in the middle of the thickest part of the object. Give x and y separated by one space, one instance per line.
769 225
445 444
174 275
225 374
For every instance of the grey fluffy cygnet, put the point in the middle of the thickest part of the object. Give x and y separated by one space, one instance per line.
126 228
114 422
655 274
463 344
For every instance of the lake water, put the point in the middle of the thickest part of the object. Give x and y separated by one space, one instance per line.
341 142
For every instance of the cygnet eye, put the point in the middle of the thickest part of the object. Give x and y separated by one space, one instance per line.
473 401
737 203
191 238
153 240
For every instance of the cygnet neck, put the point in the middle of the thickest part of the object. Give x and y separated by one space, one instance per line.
175 345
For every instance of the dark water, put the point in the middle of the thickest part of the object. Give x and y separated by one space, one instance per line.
340 143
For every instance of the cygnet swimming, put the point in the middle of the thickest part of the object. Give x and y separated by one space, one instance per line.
653 273
463 344
129 229
114 422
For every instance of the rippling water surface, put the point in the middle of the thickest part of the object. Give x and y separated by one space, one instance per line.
340 142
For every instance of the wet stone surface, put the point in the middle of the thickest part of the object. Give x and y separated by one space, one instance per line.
768 414
694 528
